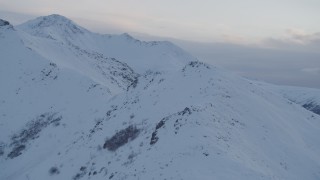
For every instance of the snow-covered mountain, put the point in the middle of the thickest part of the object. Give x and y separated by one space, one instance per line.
59 33
309 98
80 105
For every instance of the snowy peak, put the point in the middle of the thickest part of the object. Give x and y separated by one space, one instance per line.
53 27
130 38
51 20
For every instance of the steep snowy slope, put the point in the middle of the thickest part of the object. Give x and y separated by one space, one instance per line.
44 102
64 118
33 87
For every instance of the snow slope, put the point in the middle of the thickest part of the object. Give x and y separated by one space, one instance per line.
308 98
32 85
79 105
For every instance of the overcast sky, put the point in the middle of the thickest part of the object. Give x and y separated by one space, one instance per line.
276 40
205 20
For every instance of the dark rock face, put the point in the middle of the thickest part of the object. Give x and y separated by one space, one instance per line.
177 117
83 171
2 146
121 138
311 106
54 171
195 64
31 132
16 151
4 22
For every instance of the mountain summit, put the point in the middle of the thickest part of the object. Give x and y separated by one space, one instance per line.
80 105
53 27
54 19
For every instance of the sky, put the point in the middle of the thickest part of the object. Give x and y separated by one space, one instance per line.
276 40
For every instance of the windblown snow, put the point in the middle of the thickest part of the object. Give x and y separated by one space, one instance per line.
80 105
